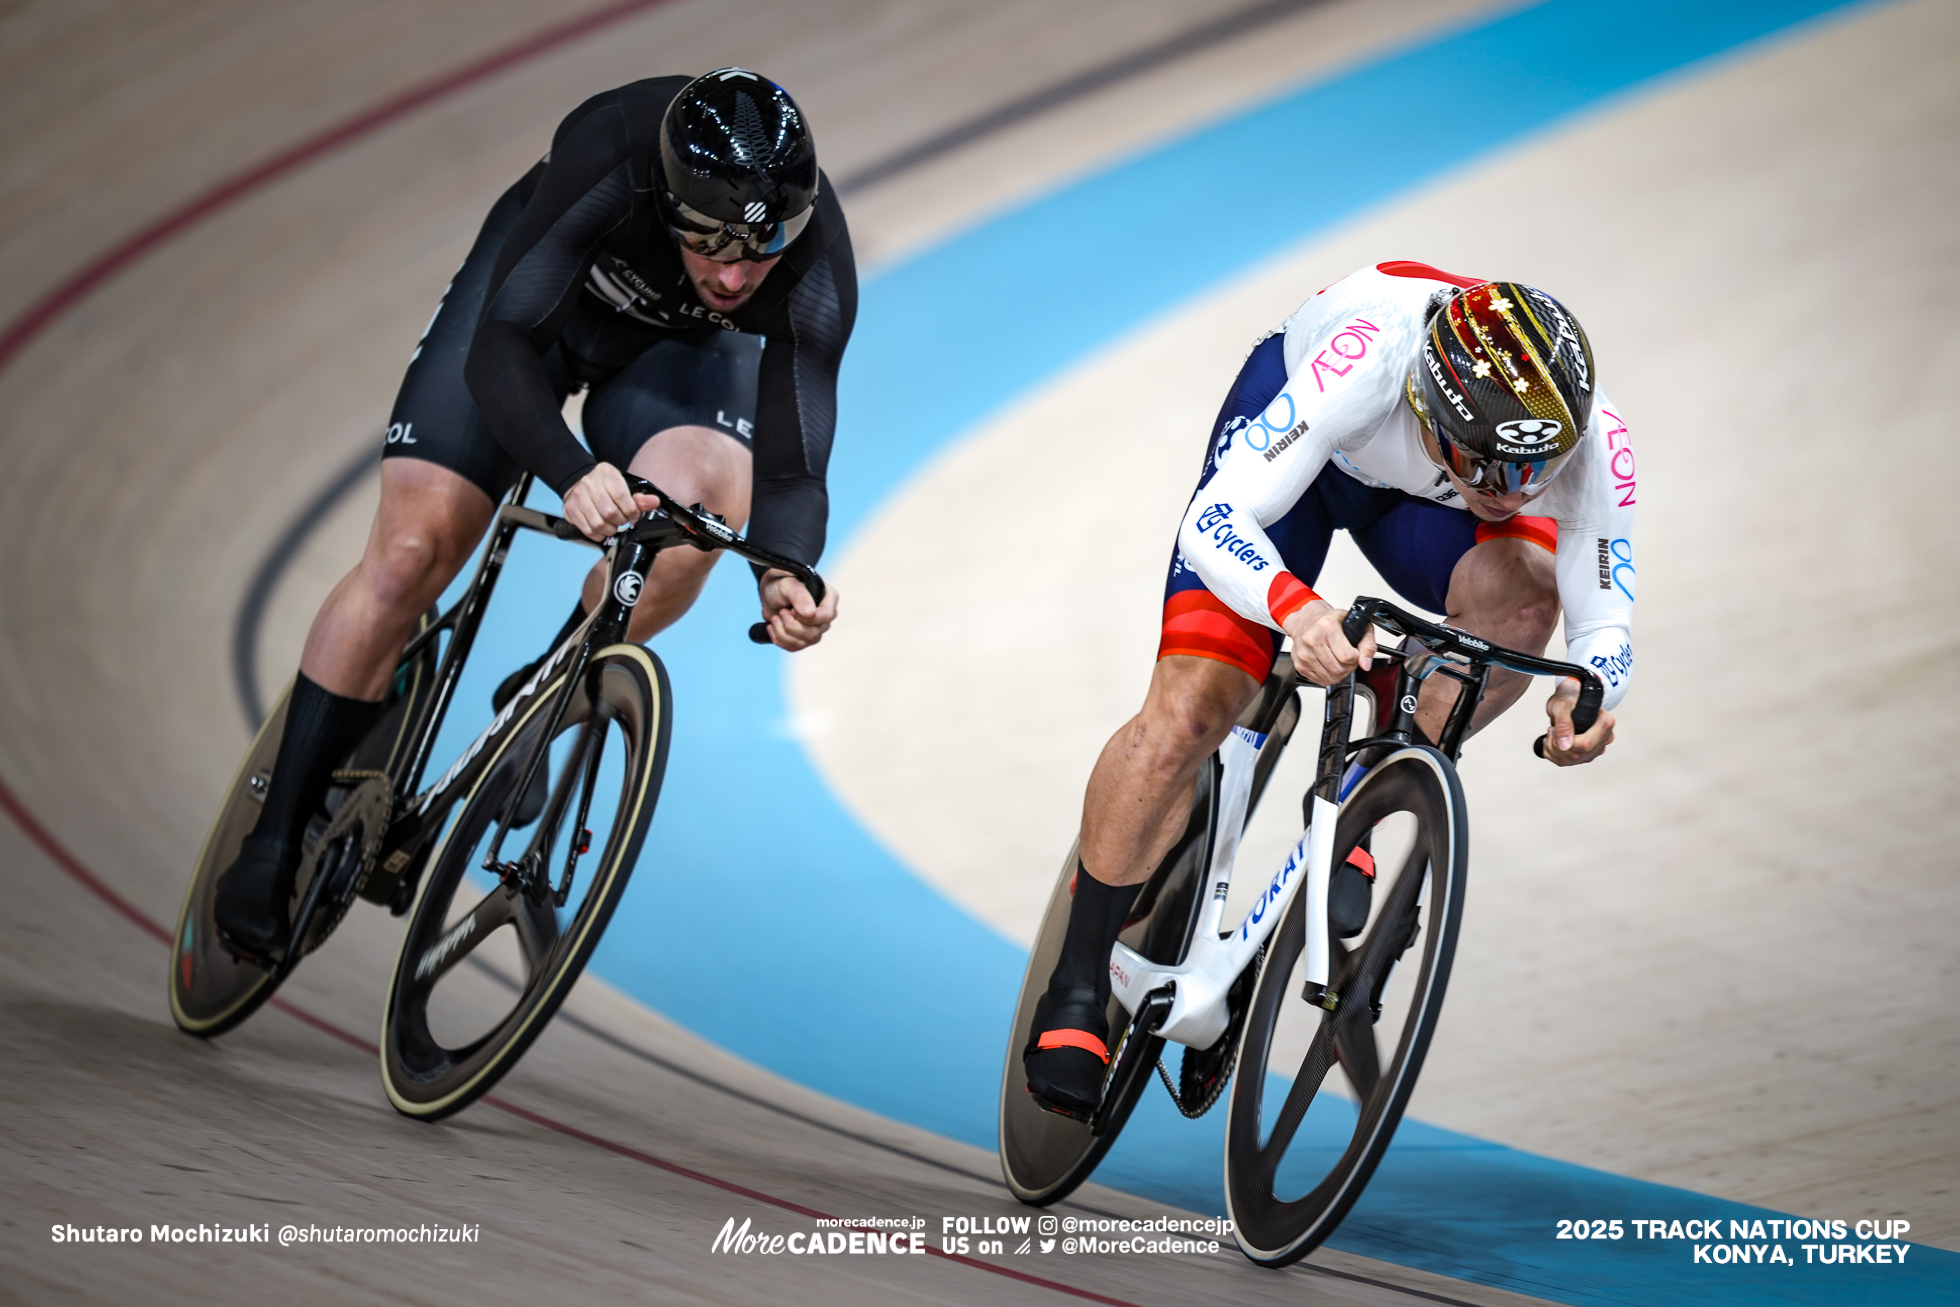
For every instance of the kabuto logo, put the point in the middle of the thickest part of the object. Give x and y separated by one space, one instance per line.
1528 436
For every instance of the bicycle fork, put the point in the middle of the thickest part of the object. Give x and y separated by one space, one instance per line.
631 559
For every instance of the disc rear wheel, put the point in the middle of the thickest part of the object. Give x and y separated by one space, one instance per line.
211 990
1044 1156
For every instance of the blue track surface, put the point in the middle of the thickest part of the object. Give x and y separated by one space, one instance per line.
764 918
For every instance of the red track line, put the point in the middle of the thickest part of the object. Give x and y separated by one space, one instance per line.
57 302
43 313
67 861
333 1031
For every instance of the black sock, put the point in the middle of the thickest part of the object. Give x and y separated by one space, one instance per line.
322 728
1095 918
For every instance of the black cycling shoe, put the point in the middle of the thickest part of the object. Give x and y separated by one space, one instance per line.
534 798
1067 1057
508 687
1350 892
532 803
250 904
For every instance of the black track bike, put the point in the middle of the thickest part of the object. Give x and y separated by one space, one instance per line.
518 852
1323 997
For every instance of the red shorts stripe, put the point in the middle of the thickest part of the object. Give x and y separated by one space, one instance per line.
1541 531
1198 625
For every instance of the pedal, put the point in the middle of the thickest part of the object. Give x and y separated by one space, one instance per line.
1148 1017
239 953
1085 1118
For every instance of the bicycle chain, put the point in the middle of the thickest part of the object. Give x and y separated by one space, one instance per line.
355 809
1236 1033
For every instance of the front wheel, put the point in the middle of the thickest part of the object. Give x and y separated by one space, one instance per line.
1341 1079
447 1036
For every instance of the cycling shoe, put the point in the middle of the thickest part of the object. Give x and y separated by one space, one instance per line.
250 904
508 687
532 803
1349 893
1067 1056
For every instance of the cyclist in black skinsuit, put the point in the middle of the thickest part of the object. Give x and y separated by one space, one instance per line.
679 253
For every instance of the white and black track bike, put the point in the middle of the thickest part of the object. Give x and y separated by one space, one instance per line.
1325 994
528 838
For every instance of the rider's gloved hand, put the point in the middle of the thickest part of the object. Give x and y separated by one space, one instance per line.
600 503
1321 653
795 620
1565 746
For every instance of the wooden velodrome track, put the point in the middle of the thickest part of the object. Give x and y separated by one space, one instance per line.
1789 874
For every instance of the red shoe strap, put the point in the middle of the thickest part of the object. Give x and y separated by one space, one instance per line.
1081 1039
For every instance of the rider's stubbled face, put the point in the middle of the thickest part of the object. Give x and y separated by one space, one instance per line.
724 287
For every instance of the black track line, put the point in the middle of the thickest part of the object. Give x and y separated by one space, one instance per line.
1182 45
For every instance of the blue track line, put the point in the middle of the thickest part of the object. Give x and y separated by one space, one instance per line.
764 918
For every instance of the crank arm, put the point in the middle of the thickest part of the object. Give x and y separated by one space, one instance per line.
1149 1016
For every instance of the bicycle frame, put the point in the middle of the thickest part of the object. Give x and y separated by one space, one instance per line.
630 552
1187 1001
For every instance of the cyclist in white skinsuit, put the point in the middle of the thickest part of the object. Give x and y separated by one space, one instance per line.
1347 353
1455 428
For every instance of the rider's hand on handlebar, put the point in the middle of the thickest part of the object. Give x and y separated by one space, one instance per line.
600 503
1565 747
1321 653
795 620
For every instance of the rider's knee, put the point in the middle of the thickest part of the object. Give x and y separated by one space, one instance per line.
1538 613
1193 703
698 465
402 566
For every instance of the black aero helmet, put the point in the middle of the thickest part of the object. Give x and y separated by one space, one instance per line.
1504 381
738 164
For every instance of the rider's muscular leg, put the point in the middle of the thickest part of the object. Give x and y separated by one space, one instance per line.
1138 798
428 522
696 465
1506 591
1140 790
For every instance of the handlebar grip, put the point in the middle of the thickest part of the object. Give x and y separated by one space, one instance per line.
1591 695
1356 623
759 633
1585 713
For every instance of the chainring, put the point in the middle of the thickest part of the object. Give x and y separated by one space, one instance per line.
363 817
